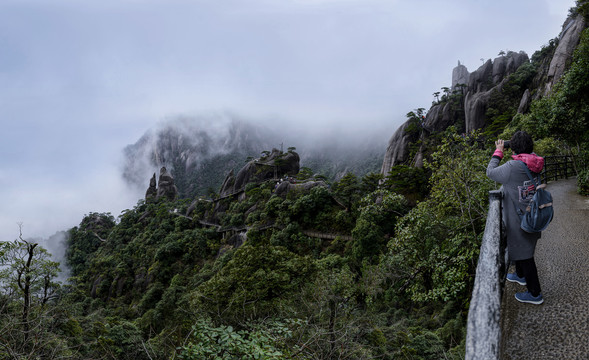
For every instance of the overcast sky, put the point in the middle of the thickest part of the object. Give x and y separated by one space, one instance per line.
79 80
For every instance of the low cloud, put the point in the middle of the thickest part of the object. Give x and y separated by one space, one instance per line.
47 205
81 80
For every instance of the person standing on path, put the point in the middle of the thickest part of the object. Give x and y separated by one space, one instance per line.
517 191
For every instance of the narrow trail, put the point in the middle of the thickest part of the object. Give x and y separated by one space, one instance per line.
559 328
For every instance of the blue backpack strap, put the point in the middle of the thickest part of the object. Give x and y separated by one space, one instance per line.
529 173
518 210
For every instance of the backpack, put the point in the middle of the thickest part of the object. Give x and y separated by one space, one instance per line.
540 211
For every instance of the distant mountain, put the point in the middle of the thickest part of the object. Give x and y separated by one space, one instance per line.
200 151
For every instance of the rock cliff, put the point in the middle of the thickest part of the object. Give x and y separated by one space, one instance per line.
483 82
398 148
273 165
474 92
440 116
568 41
524 104
455 107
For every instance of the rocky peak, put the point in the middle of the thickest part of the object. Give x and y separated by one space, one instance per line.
460 75
470 105
166 187
480 84
481 79
484 81
440 116
152 189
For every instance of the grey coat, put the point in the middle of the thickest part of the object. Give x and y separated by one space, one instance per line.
520 244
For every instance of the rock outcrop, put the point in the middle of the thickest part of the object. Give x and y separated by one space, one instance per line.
152 189
482 78
166 187
483 82
460 75
475 106
286 186
524 104
505 65
472 94
480 85
568 41
274 165
199 150
228 184
440 116
398 148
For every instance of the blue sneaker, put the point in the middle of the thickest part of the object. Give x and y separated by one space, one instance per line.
516 279
526 297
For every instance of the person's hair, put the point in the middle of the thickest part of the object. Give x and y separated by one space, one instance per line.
522 143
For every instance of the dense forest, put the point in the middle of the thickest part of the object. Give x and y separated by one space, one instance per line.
367 267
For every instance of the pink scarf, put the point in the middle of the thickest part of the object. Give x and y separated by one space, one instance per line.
535 163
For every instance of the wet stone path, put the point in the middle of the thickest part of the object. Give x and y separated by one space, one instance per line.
559 328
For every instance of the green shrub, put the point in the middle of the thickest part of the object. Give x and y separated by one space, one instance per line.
583 182
409 181
224 342
121 340
548 146
254 282
435 246
379 212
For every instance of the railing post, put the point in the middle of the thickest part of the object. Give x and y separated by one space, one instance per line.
483 329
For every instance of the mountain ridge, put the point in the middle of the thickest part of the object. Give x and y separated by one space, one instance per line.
199 152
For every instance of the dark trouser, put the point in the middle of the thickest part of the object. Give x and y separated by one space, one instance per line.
527 269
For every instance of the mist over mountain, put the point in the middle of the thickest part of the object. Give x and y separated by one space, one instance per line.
200 151
197 151
56 244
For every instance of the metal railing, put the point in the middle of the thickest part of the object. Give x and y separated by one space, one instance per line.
557 167
483 329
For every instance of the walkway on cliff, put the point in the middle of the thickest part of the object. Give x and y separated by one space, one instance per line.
559 328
